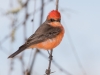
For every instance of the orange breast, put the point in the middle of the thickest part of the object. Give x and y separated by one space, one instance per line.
50 43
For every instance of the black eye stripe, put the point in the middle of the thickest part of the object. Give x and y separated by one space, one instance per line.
53 20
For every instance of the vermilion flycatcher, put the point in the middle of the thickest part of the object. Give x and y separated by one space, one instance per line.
47 36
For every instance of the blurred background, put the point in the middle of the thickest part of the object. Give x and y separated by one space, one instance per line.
79 51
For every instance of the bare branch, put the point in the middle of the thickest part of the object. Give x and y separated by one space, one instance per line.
48 71
57 2
56 64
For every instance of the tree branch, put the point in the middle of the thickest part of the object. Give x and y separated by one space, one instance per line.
48 71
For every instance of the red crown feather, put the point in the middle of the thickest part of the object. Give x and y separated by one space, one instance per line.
55 14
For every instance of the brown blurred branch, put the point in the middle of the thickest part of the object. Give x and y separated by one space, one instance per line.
17 26
24 30
11 67
34 15
41 7
36 52
41 19
12 36
9 35
29 71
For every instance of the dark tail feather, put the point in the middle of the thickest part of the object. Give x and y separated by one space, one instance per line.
21 48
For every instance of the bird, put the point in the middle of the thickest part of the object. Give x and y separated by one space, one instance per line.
48 36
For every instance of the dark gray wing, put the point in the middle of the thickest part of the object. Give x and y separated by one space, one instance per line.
43 33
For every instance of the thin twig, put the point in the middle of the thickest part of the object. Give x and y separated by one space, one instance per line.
48 71
56 64
57 2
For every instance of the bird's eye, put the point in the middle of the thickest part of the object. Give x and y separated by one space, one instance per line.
52 20
59 20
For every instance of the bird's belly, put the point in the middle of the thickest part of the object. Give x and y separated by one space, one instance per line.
50 43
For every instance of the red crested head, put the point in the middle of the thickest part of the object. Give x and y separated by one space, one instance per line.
54 14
